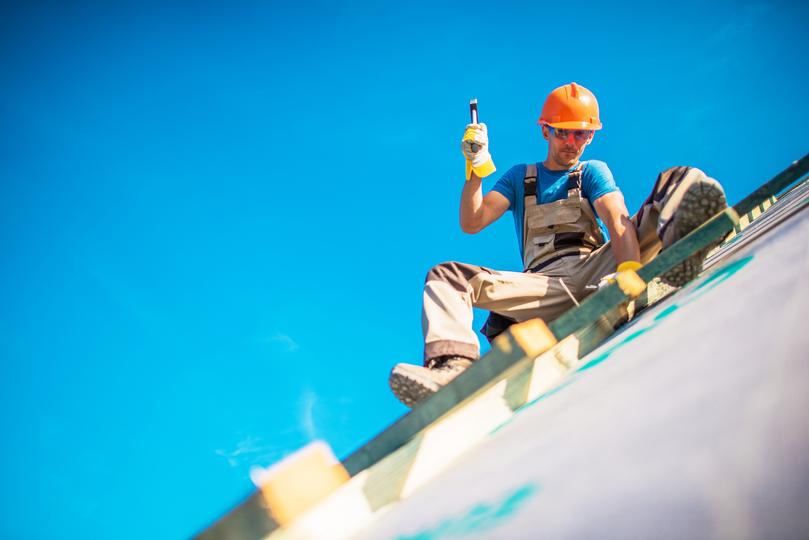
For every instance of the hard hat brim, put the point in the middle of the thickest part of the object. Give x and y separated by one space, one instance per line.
572 125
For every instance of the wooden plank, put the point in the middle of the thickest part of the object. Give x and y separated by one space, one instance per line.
630 283
611 297
775 186
337 517
506 351
594 306
298 482
744 222
709 232
435 448
438 446
248 520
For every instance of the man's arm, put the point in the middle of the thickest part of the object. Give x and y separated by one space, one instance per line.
611 208
477 211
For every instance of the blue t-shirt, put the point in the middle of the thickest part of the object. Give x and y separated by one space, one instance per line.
596 180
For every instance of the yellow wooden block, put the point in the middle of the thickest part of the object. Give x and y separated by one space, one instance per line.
630 283
729 214
533 336
298 482
502 343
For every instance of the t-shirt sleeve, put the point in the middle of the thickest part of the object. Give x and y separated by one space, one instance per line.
597 180
506 185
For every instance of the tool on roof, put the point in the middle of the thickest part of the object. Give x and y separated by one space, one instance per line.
473 114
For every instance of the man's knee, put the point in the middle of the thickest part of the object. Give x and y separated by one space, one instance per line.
450 271
454 273
675 176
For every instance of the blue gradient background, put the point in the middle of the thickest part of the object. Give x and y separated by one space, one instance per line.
216 218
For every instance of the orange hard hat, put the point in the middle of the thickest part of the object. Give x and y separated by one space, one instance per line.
571 106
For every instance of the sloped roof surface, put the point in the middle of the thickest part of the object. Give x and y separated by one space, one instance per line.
688 423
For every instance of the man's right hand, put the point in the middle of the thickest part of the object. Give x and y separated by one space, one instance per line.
475 147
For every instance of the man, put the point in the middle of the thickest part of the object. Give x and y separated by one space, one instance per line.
562 209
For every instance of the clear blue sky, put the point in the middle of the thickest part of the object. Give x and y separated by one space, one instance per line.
215 219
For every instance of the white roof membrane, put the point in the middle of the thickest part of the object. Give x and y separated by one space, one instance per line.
688 423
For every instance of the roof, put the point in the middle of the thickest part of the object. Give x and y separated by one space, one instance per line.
681 423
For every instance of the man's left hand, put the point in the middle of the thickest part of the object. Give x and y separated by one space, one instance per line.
609 279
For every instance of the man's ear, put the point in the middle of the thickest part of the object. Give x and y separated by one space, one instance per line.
545 133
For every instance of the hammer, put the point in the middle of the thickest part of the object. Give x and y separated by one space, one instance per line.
473 113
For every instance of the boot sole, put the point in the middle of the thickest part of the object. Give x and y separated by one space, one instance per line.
701 201
407 390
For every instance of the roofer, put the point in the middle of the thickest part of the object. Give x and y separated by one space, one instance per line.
562 209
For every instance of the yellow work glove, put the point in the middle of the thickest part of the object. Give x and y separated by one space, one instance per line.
628 265
475 147
624 266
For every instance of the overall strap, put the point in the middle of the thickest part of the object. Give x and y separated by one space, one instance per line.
574 181
530 180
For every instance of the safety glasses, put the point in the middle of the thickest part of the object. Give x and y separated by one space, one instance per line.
580 135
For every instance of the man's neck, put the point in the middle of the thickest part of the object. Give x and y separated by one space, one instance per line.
554 166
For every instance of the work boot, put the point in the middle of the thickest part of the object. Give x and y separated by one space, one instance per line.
701 200
412 384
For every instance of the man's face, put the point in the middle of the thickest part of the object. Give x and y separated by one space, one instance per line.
565 146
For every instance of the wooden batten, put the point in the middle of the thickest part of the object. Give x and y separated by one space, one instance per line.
297 483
